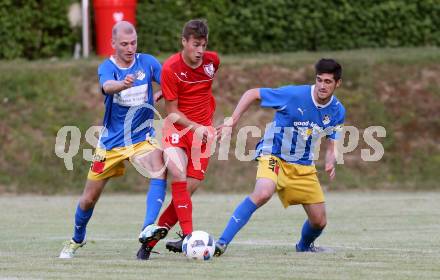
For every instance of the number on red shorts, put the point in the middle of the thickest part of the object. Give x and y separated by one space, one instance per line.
175 138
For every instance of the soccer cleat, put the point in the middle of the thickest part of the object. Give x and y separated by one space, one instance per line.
144 252
70 248
152 232
220 248
175 245
314 249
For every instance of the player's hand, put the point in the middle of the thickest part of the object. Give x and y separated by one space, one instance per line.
205 134
331 170
157 96
128 81
220 130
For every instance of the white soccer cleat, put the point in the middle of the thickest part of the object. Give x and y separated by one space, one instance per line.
152 232
70 248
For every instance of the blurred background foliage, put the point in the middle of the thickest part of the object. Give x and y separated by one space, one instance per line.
389 50
40 28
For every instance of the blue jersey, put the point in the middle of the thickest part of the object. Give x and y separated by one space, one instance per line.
299 123
128 117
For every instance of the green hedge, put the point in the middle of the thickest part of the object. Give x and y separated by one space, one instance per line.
291 25
40 28
36 29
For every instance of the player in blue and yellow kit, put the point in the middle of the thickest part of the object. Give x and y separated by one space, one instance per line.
128 134
285 156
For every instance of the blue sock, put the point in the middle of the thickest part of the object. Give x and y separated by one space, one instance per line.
155 198
239 218
81 219
308 235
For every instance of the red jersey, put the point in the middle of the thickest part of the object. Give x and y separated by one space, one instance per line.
192 88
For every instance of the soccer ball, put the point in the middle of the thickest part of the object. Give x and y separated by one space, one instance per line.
198 245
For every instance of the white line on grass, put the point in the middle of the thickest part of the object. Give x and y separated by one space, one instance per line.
252 242
272 243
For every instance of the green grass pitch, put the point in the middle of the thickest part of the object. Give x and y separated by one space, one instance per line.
376 235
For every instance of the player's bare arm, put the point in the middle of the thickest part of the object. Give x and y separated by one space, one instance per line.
176 116
243 105
330 158
112 86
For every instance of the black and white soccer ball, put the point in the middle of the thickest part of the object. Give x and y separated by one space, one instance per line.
198 245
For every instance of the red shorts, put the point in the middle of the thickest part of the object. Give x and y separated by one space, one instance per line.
198 153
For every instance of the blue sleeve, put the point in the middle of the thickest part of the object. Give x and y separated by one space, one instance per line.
275 98
337 129
157 69
152 64
105 73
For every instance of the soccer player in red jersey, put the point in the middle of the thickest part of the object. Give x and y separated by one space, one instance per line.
186 82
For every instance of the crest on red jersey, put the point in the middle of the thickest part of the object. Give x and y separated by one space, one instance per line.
209 69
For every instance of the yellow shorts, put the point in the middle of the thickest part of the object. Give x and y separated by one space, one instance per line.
107 164
296 184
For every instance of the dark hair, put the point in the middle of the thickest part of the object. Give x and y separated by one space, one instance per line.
198 28
329 66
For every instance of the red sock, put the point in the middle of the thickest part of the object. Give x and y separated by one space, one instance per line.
183 206
152 243
167 219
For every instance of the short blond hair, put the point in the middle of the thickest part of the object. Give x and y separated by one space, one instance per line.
123 26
